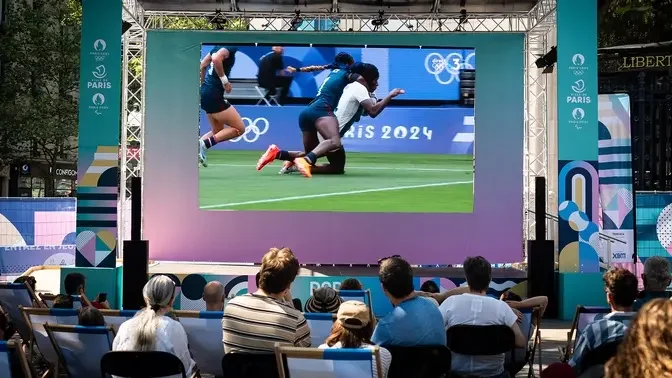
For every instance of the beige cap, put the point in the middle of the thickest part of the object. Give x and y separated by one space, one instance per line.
353 315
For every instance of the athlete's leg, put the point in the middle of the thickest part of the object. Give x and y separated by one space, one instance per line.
215 126
328 129
309 136
336 164
231 118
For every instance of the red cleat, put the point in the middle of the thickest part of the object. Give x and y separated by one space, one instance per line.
268 157
303 166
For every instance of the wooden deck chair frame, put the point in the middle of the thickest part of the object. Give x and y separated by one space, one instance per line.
18 349
44 297
571 334
66 328
31 343
314 354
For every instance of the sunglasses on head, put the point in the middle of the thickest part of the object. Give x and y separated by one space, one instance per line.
387 258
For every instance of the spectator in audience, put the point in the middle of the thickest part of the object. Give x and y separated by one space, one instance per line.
353 329
253 323
90 317
656 278
645 351
75 284
324 299
213 295
272 74
296 302
430 286
151 330
63 301
621 290
350 284
415 320
516 302
477 308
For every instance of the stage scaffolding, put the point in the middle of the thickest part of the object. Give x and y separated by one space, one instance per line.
538 24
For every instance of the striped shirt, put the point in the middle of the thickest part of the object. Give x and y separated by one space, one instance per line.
253 323
610 328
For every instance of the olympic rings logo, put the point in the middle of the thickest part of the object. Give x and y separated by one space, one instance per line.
436 64
254 128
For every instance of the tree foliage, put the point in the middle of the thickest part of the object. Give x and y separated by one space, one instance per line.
40 55
626 22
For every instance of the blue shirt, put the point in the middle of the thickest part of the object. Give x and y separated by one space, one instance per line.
646 296
415 322
610 328
212 80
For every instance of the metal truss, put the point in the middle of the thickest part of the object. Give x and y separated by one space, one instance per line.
540 111
343 22
132 114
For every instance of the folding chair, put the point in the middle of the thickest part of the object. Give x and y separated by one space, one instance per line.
328 363
204 332
114 318
525 356
472 340
599 355
419 362
141 364
79 348
48 300
248 365
37 318
583 316
262 96
15 347
12 297
320 325
358 295
5 360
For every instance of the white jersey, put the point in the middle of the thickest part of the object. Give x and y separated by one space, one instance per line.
348 106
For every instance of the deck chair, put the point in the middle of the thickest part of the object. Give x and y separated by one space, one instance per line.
583 316
48 300
37 318
296 362
79 348
204 332
5 360
358 295
114 318
15 347
515 362
320 326
141 364
12 297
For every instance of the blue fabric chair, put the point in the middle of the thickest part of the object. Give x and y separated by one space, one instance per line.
358 295
79 348
5 365
320 326
12 297
327 363
38 317
114 318
583 316
204 332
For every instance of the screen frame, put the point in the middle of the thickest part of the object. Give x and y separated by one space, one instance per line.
180 231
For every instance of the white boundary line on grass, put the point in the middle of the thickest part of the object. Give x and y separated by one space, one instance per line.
363 167
322 195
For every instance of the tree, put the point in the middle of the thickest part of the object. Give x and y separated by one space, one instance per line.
625 22
42 76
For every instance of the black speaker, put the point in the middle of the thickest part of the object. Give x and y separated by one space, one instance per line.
540 208
136 257
136 254
541 277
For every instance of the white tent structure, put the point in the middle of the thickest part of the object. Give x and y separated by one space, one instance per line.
537 19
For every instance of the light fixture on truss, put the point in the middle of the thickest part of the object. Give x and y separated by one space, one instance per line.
219 21
296 21
379 21
464 19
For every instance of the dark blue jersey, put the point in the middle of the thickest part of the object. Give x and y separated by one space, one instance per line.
332 88
212 80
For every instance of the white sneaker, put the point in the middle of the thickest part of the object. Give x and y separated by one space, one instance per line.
202 158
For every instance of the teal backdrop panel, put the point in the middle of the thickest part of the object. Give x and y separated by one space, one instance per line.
99 120
578 179
97 281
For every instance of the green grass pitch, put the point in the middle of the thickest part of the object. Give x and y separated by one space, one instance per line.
390 183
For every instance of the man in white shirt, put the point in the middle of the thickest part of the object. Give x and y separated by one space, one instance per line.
356 99
477 308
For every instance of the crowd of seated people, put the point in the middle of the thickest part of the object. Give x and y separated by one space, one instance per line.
254 323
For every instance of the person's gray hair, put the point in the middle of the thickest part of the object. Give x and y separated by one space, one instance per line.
656 273
159 293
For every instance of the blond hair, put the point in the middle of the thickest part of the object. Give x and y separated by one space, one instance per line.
279 268
159 293
645 351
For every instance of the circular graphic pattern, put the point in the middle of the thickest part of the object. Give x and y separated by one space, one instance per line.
578 221
193 285
566 209
664 228
578 257
590 230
